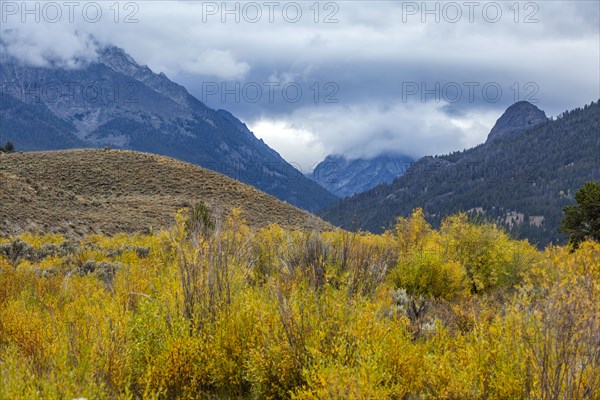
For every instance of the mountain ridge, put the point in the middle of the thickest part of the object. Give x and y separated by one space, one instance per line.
112 101
520 181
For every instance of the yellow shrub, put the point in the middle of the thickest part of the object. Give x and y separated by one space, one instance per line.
279 314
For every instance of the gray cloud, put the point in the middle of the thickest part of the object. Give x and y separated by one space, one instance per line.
358 75
39 47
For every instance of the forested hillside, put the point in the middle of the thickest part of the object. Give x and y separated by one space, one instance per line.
520 180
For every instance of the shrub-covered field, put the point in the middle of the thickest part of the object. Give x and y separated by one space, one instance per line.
212 309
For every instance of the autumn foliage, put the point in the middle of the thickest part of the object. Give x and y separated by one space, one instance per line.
213 309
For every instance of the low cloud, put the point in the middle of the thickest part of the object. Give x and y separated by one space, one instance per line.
218 63
367 50
365 131
39 47
299 146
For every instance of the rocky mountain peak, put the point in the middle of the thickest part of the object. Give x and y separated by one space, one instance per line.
345 177
120 61
116 56
520 115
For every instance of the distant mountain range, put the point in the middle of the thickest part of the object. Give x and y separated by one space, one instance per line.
115 102
345 177
521 178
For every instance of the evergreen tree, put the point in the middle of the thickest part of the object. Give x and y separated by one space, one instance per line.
9 147
582 221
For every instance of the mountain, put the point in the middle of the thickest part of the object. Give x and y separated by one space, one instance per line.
76 192
37 126
519 116
520 180
113 101
344 177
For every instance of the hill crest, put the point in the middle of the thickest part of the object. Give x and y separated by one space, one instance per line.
77 192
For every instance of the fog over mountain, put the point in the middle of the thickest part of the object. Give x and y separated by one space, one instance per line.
521 178
426 83
345 177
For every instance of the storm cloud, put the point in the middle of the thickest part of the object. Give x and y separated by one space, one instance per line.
358 78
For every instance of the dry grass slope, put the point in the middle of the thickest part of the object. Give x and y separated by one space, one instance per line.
77 192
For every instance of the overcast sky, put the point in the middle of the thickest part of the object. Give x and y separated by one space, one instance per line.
358 78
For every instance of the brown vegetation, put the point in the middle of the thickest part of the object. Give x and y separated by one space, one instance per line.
78 192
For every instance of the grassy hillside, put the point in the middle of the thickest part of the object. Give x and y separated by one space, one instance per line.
108 191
